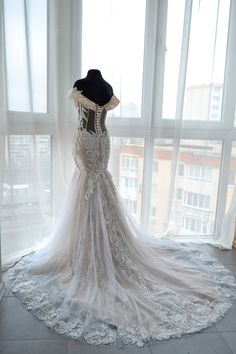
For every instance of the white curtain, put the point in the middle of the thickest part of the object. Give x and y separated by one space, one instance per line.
37 122
173 135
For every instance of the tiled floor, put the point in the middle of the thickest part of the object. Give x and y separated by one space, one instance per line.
22 333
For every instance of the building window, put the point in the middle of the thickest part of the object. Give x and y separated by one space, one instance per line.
196 200
130 162
215 107
195 225
179 193
216 98
202 173
129 182
132 205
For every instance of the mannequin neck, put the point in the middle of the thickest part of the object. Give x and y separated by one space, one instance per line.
94 73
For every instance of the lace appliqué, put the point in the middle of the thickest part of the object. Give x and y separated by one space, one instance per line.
91 152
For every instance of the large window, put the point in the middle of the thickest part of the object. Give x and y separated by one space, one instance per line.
172 65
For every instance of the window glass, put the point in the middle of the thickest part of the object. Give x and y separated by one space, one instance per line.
126 166
27 189
206 60
26 55
193 211
113 42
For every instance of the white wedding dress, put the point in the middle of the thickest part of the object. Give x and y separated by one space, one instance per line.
98 280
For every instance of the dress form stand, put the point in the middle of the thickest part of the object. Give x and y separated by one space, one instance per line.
94 87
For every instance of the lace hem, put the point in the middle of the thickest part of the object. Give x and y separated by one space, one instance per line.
174 323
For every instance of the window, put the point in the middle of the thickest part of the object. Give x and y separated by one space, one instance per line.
190 79
122 63
195 226
27 87
180 75
181 170
202 173
179 193
129 182
193 193
26 205
215 98
196 200
127 170
132 205
130 162
206 57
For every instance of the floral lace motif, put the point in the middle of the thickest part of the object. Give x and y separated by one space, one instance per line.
91 152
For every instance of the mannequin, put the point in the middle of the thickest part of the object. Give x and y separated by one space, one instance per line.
94 87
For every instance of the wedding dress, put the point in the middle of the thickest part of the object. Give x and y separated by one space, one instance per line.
100 279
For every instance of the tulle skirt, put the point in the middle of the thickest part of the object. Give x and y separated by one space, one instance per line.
102 280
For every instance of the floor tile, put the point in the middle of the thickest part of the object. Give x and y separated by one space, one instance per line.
207 343
5 280
224 256
34 347
230 338
211 329
228 323
2 303
16 322
75 347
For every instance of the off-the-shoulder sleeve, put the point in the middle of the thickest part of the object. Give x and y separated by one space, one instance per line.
77 96
114 101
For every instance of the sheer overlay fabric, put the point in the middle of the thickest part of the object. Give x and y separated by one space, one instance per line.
99 279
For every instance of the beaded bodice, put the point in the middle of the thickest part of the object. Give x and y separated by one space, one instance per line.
91 141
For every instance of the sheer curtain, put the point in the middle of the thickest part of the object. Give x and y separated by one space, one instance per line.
173 136
37 121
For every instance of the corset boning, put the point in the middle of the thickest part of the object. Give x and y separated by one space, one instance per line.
92 120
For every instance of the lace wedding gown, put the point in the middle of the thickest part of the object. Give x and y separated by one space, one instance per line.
98 280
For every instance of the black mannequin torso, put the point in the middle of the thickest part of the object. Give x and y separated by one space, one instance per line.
94 87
